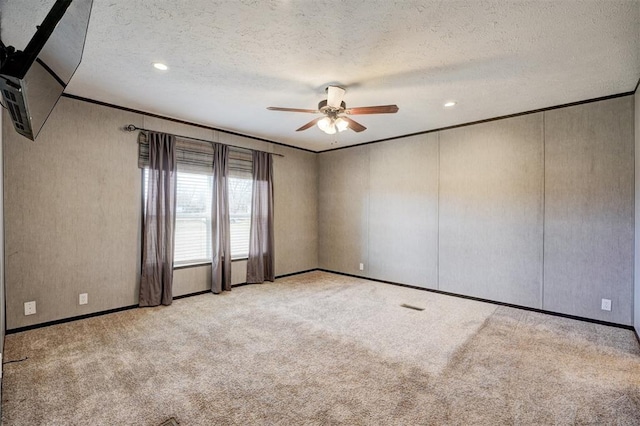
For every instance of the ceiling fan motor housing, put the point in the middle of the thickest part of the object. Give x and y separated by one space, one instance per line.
329 110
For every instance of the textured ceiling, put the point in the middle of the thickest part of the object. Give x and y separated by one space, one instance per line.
229 60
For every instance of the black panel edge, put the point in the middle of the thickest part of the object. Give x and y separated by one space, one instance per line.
70 319
637 84
197 293
487 120
126 308
176 120
493 302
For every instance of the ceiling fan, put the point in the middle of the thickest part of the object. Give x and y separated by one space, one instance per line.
335 113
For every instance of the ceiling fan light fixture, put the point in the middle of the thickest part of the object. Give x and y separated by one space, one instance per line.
341 124
334 109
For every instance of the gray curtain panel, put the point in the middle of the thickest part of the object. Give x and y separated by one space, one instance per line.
159 222
260 265
220 226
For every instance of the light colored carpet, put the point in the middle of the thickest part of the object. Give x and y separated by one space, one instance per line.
320 348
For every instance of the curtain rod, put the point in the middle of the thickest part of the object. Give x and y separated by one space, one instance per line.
133 128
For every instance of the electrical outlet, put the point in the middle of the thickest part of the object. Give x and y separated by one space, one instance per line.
83 299
606 305
362 266
30 308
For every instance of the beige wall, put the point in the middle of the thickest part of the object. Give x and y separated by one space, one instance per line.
73 212
491 207
403 211
535 210
343 210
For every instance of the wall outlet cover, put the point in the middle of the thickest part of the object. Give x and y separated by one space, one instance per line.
83 299
30 307
606 305
362 266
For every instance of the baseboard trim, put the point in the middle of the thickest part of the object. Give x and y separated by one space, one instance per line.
197 293
70 319
478 299
126 308
297 273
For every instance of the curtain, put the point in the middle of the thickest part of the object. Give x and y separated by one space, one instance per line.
260 265
159 222
220 232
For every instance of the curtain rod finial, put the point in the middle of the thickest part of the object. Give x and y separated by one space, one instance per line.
130 128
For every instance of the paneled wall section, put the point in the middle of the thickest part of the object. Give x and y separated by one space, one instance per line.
491 189
535 210
589 210
343 210
403 211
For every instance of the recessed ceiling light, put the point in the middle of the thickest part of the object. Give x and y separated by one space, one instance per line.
160 66
450 104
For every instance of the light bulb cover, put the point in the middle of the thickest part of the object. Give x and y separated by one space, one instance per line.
331 129
324 124
160 66
341 124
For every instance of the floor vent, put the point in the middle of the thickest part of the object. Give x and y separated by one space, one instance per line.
415 308
170 422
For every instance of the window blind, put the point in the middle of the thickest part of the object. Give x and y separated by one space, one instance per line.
191 156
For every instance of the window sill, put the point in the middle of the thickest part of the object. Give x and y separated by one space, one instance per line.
199 264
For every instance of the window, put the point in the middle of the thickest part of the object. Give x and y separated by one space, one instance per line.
193 219
193 216
240 190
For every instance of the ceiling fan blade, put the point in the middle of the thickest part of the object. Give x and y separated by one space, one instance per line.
334 96
380 109
309 124
354 125
312 111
